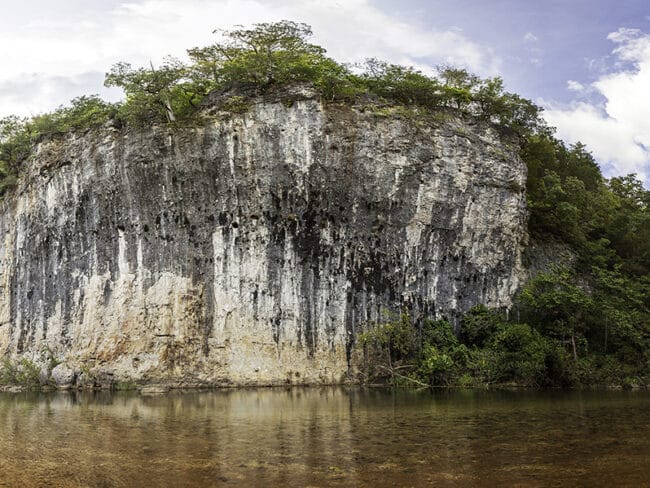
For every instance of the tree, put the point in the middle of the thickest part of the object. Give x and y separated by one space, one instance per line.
559 308
458 86
267 54
629 231
489 96
624 313
15 144
460 78
83 112
152 94
521 354
478 325
402 84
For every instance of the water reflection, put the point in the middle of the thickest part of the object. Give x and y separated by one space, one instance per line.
325 437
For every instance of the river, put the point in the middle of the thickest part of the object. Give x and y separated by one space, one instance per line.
325 437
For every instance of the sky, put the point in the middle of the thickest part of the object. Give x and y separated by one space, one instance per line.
586 62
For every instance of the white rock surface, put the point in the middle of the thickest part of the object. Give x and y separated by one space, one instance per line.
254 249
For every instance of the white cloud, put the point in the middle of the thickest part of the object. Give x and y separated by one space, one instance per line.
575 85
535 52
60 47
530 37
617 130
36 90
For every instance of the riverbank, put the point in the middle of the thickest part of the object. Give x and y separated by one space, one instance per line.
156 388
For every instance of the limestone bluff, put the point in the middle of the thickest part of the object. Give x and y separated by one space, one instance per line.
253 249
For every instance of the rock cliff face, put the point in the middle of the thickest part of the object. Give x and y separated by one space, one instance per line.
251 250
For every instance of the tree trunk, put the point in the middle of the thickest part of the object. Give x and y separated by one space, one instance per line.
573 345
169 111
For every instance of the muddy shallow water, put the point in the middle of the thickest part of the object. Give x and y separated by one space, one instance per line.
325 437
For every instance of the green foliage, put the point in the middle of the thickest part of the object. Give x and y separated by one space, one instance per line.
8 372
492 351
267 54
237 105
50 362
279 53
629 225
15 147
556 305
621 326
437 366
441 356
7 181
270 54
438 333
567 196
479 325
521 354
456 89
85 112
607 222
124 386
15 144
23 373
163 94
599 312
574 336
401 84
394 339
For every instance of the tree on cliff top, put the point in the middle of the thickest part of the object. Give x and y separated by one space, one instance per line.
160 94
265 55
14 143
279 53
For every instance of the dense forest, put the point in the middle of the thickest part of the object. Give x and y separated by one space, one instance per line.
582 322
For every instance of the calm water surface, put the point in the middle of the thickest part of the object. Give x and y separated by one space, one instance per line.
326 437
